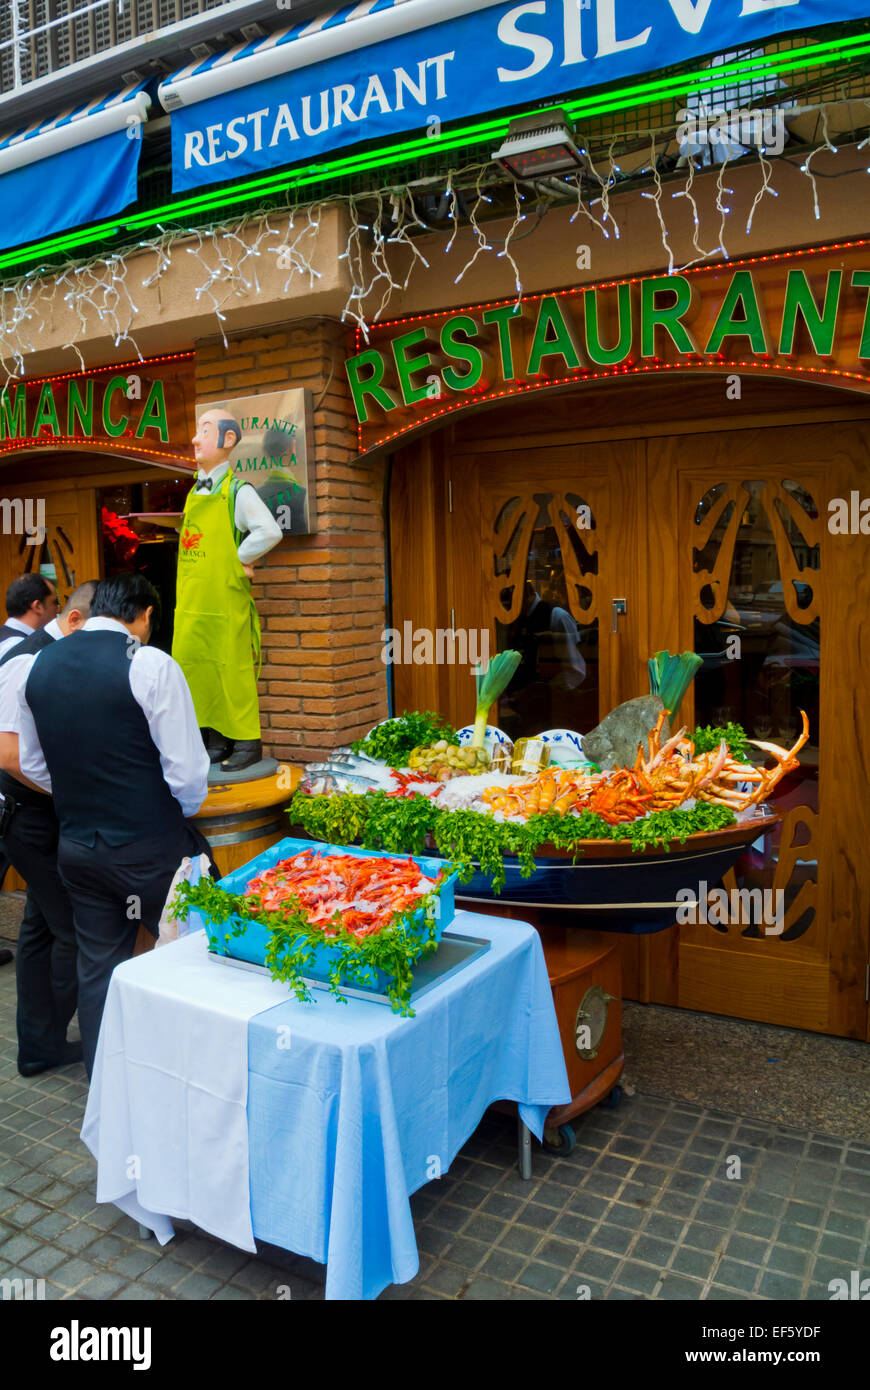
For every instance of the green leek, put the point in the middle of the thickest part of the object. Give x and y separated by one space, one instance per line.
670 677
491 681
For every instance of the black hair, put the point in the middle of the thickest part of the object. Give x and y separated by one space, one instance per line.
81 598
228 423
124 597
23 591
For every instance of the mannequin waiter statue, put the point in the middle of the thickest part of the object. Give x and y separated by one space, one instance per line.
225 528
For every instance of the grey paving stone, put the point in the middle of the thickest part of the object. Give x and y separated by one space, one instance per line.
595 1264
227 1293
589 1205
824 1270
768 1203
76 1237
663 1226
470 1254
469 1195
101 1285
452 1281
105 1249
503 1265
433 1240
715 1214
222 1263
675 1287
482 1289
502 1205
30 1184
448 1217
775 1285
698 1263
755 1223
42 1260
17 1246
543 1278
615 1240
24 1214
602 1184
620 1214
541 1218
131 1263
557 1252
746 1248
845 1200
638 1278
688 1183
652 1251
737 1276
785 1261
801 1237
847 1224
167 1273
72 1273
136 1293
838 1247
198 1286
482 1227
522 1240
51 1225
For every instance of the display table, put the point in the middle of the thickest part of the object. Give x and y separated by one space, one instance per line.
217 1099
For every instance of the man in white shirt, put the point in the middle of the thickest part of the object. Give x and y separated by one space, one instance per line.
45 962
106 723
225 528
31 602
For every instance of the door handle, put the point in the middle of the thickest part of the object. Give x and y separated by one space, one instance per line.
618 612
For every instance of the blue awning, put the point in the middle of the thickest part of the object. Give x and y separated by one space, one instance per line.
383 68
76 168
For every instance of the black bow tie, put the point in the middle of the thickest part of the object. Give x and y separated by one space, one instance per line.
204 484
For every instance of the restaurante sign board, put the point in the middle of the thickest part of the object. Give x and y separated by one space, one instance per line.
803 314
141 410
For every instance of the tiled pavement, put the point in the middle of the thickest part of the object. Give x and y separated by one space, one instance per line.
643 1209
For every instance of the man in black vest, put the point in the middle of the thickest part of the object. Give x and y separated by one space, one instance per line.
108 726
31 602
45 962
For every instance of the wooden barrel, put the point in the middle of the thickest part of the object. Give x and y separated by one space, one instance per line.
241 819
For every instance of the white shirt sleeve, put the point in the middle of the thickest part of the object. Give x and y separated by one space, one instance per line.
252 515
30 755
13 678
158 686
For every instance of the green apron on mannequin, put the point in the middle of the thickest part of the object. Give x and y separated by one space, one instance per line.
217 630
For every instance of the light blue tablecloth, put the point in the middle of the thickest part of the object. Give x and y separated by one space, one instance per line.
351 1109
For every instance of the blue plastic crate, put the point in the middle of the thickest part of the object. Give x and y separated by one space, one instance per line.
251 944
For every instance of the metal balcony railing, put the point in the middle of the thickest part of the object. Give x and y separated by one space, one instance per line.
39 38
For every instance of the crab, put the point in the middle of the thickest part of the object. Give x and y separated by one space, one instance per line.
674 773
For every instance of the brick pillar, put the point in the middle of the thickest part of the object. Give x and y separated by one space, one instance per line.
321 598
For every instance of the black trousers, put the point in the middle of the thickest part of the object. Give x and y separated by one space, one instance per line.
45 963
114 889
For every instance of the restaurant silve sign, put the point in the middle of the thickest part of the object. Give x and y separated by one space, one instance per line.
141 410
803 314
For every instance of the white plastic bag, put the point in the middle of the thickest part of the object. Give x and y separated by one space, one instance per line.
188 868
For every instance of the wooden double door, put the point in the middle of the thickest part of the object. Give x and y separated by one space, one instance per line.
709 541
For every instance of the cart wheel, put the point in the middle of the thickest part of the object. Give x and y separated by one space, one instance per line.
612 1099
560 1141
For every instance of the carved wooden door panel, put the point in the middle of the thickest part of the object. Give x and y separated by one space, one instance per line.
748 575
545 541
66 523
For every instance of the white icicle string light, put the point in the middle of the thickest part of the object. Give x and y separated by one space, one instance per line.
766 171
506 251
805 167
605 185
581 207
723 211
482 242
656 198
690 199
